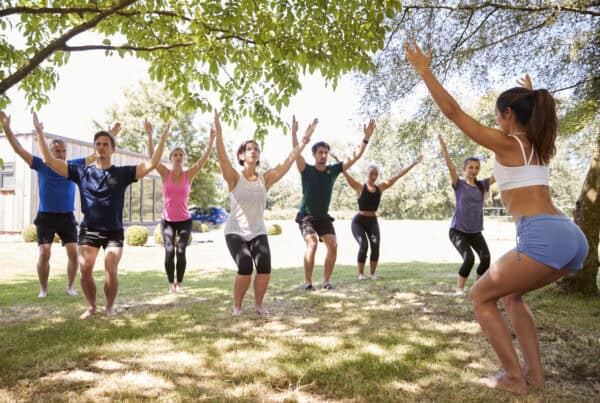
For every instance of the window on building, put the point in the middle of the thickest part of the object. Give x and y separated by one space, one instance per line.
7 176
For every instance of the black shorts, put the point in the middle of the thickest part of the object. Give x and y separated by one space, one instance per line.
48 224
99 239
315 225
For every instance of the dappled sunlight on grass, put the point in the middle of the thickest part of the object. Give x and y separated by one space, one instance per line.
402 338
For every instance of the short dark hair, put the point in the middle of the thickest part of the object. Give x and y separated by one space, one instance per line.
106 134
242 149
318 144
57 141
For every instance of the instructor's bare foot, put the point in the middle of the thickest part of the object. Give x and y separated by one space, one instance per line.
111 312
535 380
88 313
502 381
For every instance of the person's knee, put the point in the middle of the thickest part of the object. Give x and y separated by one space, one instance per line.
245 270
311 243
45 252
263 269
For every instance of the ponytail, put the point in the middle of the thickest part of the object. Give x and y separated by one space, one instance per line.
535 110
542 125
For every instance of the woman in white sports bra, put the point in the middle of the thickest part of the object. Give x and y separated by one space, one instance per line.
549 244
245 231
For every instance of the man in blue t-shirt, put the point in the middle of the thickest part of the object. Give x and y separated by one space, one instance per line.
102 191
57 203
313 219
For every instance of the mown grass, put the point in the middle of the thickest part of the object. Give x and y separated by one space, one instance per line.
404 337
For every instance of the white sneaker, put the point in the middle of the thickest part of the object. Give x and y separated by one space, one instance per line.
262 311
362 277
71 291
43 294
373 276
178 288
237 312
460 293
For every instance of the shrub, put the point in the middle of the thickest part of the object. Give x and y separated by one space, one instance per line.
198 226
274 229
158 239
136 235
29 233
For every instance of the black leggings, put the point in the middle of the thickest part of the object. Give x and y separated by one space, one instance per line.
170 231
463 242
246 252
366 231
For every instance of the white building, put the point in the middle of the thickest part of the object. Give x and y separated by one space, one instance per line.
19 185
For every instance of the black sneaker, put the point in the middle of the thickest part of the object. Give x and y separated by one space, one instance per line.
327 286
308 287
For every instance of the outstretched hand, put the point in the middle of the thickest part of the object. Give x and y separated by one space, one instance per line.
167 129
39 127
309 130
148 126
416 57
212 135
368 130
217 125
294 125
525 82
115 129
4 119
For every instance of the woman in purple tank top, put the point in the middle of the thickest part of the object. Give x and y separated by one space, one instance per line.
176 220
467 221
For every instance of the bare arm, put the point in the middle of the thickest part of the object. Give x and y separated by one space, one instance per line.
449 163
194 169
489 138
300 162
492 180
14 143
161 168
368 131
273 175
114 131
391 181
230 175
144 168
354 184
57 165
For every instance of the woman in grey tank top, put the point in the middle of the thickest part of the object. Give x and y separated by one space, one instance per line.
245 231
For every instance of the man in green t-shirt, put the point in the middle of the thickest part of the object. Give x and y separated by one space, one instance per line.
313 219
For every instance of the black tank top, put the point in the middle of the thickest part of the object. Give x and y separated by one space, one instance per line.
369 201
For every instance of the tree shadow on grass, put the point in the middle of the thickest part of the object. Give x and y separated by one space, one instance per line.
399 339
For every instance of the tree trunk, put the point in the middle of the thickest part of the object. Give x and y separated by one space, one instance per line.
587 217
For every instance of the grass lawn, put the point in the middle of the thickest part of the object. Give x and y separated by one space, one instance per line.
401 338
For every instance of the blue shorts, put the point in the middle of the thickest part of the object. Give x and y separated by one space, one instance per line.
553 240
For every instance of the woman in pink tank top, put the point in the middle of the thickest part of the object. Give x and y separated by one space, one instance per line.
176 220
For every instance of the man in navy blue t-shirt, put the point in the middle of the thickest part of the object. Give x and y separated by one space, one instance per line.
57 203
102 191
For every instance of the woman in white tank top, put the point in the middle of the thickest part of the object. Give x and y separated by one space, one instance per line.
245 231
549 244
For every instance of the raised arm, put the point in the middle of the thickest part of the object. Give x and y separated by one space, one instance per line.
354 184
391 181
449 163
145 167
114 131
273 175
368 131
194 169
300 162
57 165
489 138
14 143
230 175
161 168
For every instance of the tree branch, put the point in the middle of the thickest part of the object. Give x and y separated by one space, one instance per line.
527 9
578 83
57 44
82 48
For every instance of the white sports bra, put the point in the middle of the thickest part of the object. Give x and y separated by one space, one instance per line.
525 175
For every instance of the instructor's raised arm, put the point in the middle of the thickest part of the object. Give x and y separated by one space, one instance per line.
14 143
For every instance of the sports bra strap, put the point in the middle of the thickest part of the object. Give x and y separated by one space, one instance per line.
525 160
